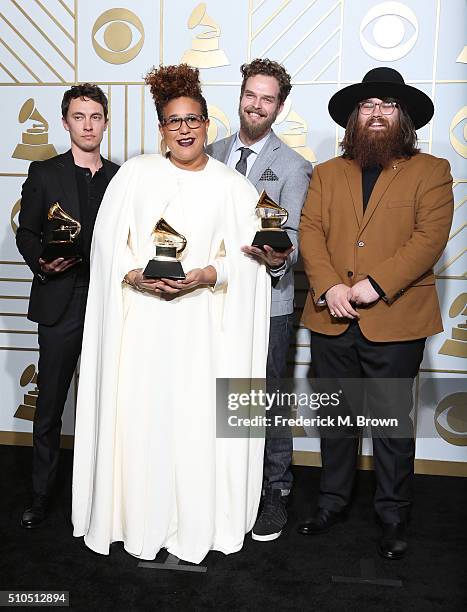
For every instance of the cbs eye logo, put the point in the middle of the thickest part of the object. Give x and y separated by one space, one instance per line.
451 419
393 27
122 28
459 119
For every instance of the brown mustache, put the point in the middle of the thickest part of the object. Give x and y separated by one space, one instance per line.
373 120
252 109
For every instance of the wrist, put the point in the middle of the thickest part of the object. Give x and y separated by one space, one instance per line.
208 275
278 266
325 294
130 278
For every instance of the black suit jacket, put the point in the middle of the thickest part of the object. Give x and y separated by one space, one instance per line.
49 181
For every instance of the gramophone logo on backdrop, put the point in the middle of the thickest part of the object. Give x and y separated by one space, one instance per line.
205 51
456 346
217 119
27 409
462 57
14 216
122 27
34 144
297 133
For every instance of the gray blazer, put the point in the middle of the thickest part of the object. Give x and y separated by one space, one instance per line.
285 176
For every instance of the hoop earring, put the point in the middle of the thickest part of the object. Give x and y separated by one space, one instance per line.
164 148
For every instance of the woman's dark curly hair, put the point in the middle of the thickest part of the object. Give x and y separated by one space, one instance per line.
268 68
169 82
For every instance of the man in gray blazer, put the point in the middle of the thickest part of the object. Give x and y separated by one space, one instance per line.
272 166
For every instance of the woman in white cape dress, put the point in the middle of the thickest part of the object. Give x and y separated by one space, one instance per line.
148 469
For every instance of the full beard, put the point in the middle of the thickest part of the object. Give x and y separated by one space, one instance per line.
378 147
256 130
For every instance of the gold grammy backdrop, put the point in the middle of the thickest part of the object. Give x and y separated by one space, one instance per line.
48 45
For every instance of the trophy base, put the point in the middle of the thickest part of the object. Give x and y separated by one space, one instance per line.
159 268
67 250
277 239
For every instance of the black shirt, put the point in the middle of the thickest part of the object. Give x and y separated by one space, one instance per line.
91 190
369 178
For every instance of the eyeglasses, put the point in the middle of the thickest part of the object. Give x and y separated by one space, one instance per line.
175 123
386 108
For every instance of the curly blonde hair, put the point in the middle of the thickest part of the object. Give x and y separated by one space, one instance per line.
169 82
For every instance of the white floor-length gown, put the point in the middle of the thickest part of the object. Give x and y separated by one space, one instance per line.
148 469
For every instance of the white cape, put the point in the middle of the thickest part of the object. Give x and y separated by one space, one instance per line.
148 469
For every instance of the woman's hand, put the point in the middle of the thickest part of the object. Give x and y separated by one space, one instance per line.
194 278
136 279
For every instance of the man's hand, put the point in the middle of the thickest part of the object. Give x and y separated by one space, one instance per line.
363 293
58 265
272 258
338 302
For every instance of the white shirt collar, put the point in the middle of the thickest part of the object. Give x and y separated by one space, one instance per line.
255 147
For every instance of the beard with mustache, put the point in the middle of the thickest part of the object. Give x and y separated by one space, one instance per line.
254 131
379 147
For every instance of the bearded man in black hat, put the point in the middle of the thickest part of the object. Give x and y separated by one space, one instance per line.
375 222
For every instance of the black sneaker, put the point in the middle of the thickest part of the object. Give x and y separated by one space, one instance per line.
272 518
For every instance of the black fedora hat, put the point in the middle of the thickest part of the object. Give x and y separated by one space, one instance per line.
382 83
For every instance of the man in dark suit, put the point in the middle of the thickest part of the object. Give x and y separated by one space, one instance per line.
270 165
76 180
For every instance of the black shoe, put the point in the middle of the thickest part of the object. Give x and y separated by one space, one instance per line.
34 516
272 518
321 522
393 542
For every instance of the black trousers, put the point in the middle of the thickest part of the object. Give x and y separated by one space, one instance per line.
59 349
351 355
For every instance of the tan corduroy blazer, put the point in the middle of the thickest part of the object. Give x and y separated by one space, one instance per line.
397 241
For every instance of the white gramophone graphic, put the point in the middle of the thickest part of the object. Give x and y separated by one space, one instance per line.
296 135
204 52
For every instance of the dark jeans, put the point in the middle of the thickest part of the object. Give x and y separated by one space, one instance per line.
59 349
278 445
351 355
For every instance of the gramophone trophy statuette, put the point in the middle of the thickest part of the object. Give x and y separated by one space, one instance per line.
169 246
273 217
62 241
